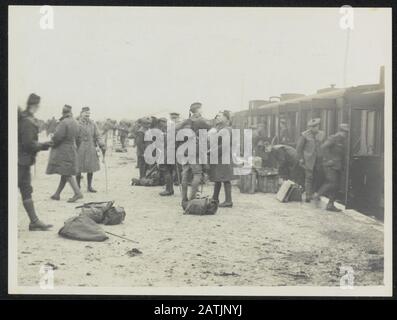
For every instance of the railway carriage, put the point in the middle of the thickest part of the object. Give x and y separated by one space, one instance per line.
362 107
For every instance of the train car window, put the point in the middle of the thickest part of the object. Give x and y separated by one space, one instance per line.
364 132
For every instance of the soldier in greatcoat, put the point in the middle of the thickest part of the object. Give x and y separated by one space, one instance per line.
63 155
88 140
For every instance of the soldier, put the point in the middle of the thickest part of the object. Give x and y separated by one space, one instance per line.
286 158
175 117
63 155
196 122
28 147
141 144
309 154
51 126
222 172
166 169
88 139
123 133
334 155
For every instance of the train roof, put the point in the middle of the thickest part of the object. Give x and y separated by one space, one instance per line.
332 94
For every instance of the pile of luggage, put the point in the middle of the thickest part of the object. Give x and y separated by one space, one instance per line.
86 226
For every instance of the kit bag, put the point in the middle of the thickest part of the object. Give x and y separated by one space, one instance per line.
82 228
113 216
96 210
201 206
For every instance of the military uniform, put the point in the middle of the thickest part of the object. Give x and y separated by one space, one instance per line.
166 169
334 156
141 145
308 149
123 133
194 170
28 147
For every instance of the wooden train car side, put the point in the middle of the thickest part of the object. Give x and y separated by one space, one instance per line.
362 107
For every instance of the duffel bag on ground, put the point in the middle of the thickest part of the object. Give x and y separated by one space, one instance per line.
201 206
113 216
82 228
96 210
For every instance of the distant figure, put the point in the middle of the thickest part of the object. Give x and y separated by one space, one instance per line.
309 154
284 134
334 158
123 130
141 144
51 126
28 147
88 140
63 155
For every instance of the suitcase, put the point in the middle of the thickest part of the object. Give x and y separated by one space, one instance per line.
289 191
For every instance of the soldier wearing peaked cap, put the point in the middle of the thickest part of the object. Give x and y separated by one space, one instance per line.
63 156
196 122
89 138
28 147
334 158
309 155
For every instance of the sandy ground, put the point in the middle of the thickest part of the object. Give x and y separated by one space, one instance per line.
259 242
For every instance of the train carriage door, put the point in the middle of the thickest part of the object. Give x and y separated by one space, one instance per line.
366 153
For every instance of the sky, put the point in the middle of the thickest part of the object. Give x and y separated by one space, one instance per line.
126 62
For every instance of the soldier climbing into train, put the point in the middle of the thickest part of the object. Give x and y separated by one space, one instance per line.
309 155
334 156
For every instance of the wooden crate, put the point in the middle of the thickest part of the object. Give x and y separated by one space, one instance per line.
248 182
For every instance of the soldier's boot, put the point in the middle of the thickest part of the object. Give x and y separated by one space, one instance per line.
195 186
77 193
228 196
184 194
217 190
331 207
35 223
89 182
61 186
169 186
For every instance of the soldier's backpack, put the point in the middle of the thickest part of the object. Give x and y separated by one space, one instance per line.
82 228
103 212
95 210
113 216
201 206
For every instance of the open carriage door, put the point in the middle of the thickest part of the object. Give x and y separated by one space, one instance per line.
365 172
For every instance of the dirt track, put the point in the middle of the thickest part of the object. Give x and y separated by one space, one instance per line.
260 242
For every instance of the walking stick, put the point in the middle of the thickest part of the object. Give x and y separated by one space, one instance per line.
106 173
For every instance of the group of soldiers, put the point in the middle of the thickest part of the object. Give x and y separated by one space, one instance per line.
317 162
74 145
73 151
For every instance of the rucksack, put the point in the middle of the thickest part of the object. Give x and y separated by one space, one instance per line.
201 206
83 228
113 216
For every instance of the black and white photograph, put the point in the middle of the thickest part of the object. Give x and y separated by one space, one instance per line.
200 151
